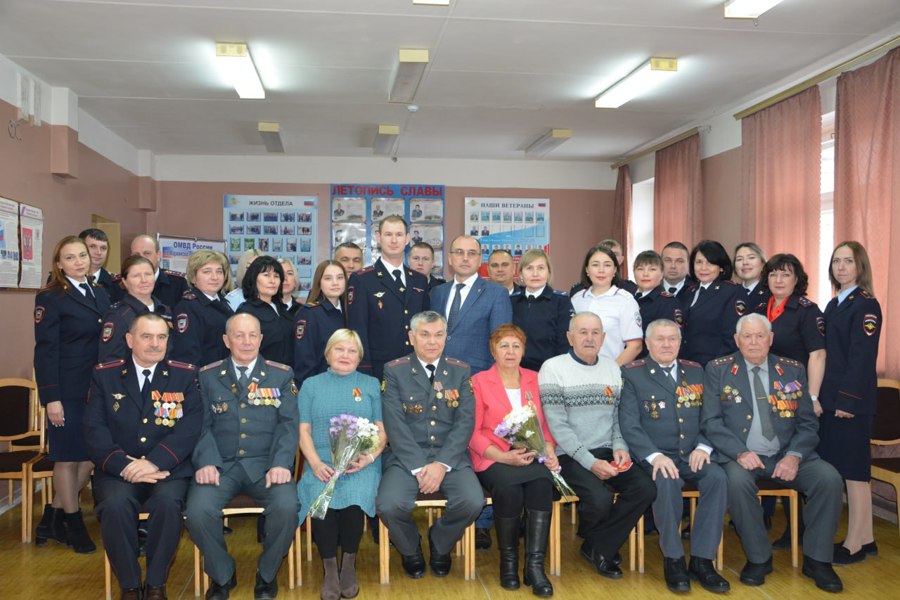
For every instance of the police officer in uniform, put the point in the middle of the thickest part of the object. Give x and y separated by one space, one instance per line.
659 417
421 260
709 304
170 285
200 315
141 425
250 436
429 416
98 247
653 300
384 297
758 416
316 321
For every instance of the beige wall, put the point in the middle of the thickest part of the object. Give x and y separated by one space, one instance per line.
722 210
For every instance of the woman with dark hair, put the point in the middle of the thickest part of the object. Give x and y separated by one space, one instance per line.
709 305
200 315
138 281
752 293
262 293
67 328
617 308
849 390
318 319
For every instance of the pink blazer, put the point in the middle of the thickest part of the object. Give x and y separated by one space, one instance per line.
491 405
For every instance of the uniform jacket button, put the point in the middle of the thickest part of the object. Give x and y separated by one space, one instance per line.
241 452
143 440
243 436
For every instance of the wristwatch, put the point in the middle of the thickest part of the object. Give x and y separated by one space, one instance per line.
814 397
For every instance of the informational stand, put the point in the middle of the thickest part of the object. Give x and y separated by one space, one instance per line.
31 227
513 224
9 243
280 226
177 250
357 208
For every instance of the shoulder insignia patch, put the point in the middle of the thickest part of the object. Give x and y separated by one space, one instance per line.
638 363
38 314
182 322
180 365
300 329
740 307
277 365
804 301
108 329
678 315
456 362
109 365
189 295
789 361
351 294
866 295
214 365
403 360
870 324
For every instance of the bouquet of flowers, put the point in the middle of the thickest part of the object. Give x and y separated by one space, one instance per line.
522 430
349 436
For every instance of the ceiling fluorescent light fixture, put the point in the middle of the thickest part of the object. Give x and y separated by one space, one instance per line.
645 77
748 9
548 142
410 69
433 2
271 136
385 138
236 61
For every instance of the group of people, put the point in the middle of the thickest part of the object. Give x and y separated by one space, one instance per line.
186 392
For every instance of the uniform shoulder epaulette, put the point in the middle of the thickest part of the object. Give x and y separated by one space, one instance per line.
180 365
189 295
456 362
368 269
115 305
277 365
403 360
110 364
638 363
517 294
665 294
95 283
311 304
689 363
174 273
726 282
724 360
560 293
789 361
213 365
804 301
115 277
866 294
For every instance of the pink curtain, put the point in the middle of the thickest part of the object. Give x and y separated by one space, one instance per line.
781 148
678 194
622 213
867 184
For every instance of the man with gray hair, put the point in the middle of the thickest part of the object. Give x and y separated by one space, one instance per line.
659 416
758 416
429 417
580 396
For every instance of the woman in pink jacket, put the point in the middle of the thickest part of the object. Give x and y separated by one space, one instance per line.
517 479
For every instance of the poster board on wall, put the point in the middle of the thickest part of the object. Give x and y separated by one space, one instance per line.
513 224
31 240
176 250
9 243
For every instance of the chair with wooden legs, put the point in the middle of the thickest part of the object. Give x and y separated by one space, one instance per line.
886 436
108 568
691 492
24 438
769 488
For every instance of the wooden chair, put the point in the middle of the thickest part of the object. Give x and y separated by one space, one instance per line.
240 506
108 575
691 492
769 488
465 547
19 430
885 433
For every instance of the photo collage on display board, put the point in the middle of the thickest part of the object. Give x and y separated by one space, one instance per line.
356 210
513 224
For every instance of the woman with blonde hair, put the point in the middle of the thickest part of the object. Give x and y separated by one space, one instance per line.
200 316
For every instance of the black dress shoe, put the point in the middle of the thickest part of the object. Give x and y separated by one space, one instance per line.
220 592
755 573
265 590
606 567
131 594
871 549
414 564
822 573
842 556
153 592
482 538
677 579
439 563
703 571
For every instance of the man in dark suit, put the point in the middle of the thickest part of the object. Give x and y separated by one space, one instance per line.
676 281
383 298
250 435
98 247
141 424
170 285
659 417
474 308
429 416
759 418
421 260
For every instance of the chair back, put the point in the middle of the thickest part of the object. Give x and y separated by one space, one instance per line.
886 425
19 408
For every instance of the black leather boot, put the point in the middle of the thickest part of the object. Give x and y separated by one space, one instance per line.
537 532
51 527
79 538
508 544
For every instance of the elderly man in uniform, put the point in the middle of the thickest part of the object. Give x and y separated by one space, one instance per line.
170 285
758 416
141 425
580 395
429 416
250 436
659 416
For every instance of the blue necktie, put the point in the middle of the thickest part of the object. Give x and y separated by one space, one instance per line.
454 307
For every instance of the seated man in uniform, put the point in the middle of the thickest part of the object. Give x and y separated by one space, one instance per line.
580 395
429 416
141 424
250 436
758 416
659 416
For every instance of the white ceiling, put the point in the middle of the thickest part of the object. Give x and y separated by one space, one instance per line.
502 72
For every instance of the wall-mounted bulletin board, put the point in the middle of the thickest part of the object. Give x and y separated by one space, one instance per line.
21 241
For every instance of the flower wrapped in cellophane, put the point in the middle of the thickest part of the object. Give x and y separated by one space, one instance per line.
522 429
349 436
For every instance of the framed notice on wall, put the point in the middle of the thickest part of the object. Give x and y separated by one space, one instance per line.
177 250
280 226
9 243
513 224
31 240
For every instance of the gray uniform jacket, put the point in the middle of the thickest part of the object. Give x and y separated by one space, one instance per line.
257 428
427 422
728 407
656 414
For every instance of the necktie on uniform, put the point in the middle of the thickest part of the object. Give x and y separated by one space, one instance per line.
243 380
397 277
638 295
700 291
145 389
673 290
454 306
88 293
430 372
762 406
668 371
